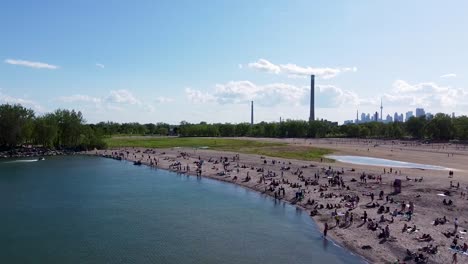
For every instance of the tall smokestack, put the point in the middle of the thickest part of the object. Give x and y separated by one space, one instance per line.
251 114
312 98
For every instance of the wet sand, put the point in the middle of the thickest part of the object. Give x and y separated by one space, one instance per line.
354 235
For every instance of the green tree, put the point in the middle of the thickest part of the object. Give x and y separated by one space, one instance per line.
440 127
415 126
45 130
15 124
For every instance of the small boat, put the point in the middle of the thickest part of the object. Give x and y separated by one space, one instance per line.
41 158
137 162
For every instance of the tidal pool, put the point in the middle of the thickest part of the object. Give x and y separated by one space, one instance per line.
384 162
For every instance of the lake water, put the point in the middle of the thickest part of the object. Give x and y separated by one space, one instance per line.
384 162
95 210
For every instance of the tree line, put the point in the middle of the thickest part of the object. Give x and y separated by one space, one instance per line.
68 129
441 127
62 129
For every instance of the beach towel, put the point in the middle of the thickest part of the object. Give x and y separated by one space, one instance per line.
459 251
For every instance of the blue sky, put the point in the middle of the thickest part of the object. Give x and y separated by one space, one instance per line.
152 61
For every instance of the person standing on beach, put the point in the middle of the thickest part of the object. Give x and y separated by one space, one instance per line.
455 223
454 258
325 230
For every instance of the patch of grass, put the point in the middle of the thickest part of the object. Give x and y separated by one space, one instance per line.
298 153
197 142
279 150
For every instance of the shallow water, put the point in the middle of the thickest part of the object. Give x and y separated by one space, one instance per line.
384 162
96 210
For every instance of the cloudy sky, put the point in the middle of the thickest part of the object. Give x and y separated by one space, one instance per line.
168 61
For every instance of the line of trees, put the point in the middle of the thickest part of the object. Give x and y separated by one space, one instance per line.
68 129
113 128
441 127
60 129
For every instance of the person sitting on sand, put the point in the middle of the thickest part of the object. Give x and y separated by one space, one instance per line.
405 228
382 219
454 244
424 238
420 258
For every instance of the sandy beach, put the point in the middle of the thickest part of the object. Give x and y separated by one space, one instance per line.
349 191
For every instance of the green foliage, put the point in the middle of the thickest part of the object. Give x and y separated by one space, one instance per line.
440 127
15 125
460 125
45 130
415 126
61 129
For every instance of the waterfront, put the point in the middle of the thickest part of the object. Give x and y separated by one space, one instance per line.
94 210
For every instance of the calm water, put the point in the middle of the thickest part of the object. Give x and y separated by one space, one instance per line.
96 210
384 162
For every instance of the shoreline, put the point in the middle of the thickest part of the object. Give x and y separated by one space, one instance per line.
32 152
331 237
353 237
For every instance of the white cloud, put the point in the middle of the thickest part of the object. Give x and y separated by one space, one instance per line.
427 94
31 64
241 92
294 71
122 97
236 92
99 65
196 96
264 65
162 100
448 75
6 99
117 100
79 98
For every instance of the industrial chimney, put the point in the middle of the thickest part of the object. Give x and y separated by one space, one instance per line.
312 98
251 114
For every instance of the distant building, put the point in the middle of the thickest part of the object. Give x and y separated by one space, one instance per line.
376 116
347 122
453 114
388 119
420 112
429 116
363 117
409 114
395 117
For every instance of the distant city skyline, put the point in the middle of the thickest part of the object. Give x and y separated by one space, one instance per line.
398 117
165 61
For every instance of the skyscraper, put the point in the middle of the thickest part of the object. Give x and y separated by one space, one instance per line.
312 98
409 114
420 112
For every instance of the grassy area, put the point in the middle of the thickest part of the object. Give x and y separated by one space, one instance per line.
299 153
280 150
